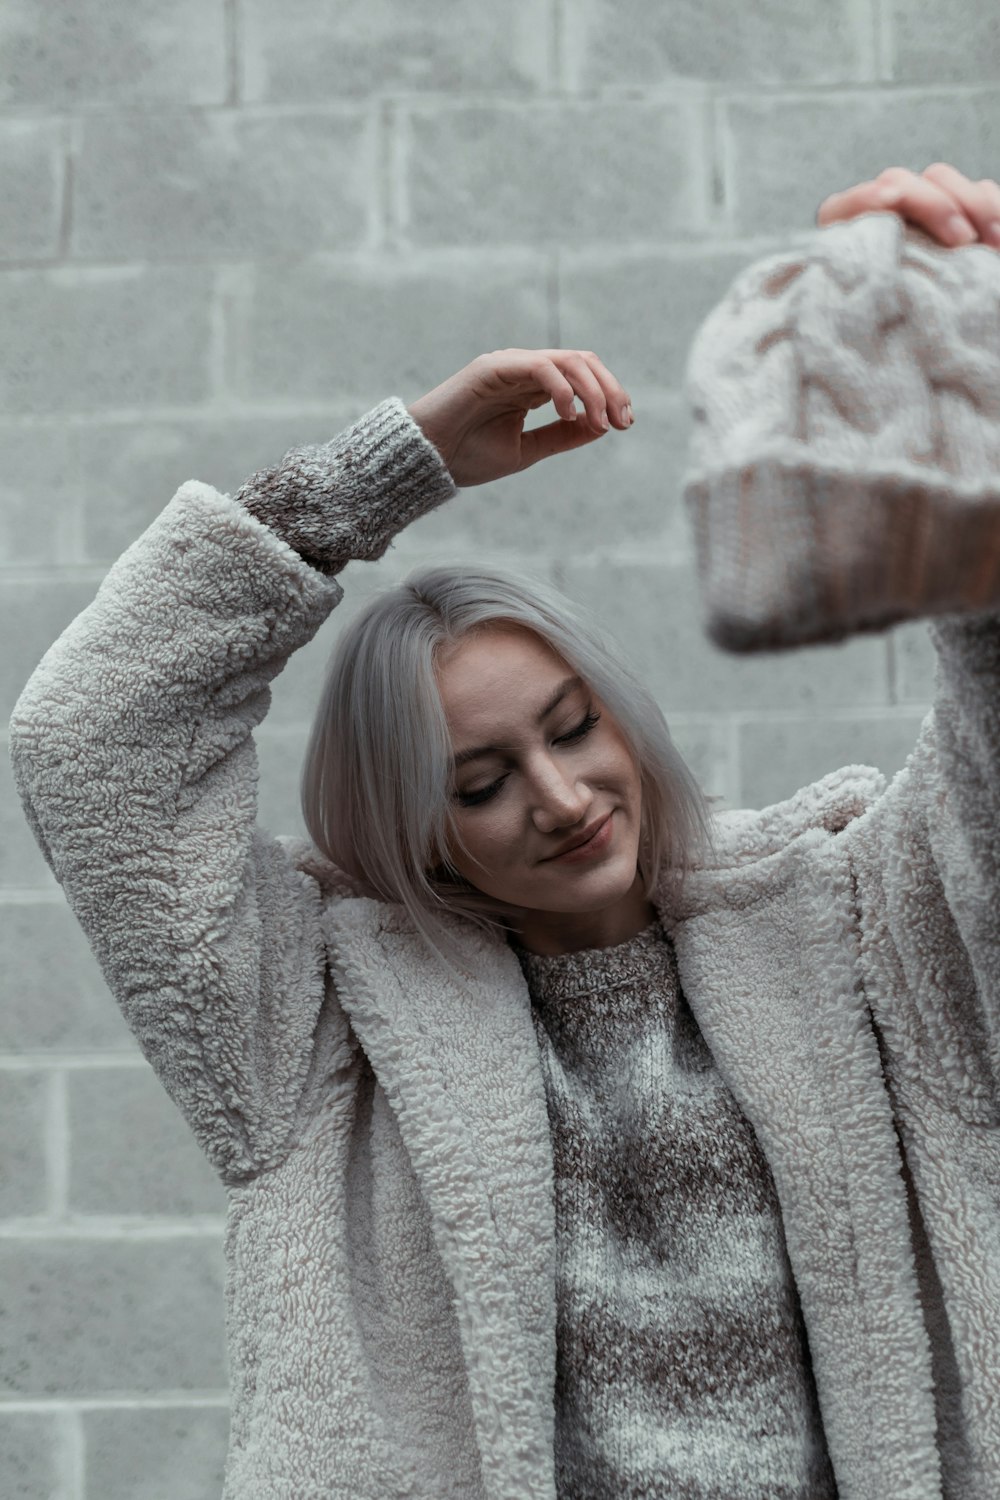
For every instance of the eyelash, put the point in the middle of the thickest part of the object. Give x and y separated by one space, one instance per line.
475 799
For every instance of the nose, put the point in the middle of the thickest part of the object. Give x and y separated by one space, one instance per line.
560 799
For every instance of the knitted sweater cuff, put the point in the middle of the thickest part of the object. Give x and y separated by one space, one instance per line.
348 497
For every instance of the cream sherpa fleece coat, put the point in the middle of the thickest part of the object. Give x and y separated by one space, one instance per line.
381 1128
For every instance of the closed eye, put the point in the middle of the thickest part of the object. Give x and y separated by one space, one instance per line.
485 793
584 727
473 799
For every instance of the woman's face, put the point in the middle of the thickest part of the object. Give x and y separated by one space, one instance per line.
546 792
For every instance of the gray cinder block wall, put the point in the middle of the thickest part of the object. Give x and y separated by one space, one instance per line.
228 227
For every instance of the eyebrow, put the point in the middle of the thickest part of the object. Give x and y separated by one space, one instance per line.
568 685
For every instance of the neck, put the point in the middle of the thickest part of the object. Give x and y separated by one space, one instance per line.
550 933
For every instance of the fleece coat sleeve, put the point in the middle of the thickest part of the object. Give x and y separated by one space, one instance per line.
132 750
927 863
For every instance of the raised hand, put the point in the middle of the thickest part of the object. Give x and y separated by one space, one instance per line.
476 418
947 205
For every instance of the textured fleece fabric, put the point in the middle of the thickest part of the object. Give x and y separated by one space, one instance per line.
845 452
380 1124
682 1364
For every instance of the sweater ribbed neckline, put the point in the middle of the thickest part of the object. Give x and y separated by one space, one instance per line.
587 971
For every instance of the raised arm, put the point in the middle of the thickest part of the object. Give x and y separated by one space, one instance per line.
925 856
846 448
133 755
927 871
132 742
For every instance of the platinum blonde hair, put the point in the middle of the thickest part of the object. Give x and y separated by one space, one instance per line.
377 780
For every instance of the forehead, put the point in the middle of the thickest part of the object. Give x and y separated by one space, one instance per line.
494 670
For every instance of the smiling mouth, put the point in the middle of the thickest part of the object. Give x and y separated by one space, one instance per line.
588 835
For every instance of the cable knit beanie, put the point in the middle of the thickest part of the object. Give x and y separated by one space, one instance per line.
844 468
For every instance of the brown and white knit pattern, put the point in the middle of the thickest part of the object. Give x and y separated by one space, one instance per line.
348 497
683 1367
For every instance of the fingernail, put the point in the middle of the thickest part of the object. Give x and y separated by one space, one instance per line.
626 416
631 413
960 229
604 421
993 232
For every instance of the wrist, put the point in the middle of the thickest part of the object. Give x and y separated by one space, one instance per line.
421 412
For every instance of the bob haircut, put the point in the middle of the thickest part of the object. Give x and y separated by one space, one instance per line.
377 787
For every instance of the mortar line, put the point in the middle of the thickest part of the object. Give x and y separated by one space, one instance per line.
556 39
884 41
234 73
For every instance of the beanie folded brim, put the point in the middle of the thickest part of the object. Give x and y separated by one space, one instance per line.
790 553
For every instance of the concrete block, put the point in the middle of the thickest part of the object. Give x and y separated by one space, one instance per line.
916 663
222 184
280 753
175 1451
841 140
33 613
21 863
131 1149
23 1168
640 312
386 327
937 43
39 493
129 471
81 339
30 1466
96 1316
554 173
295 693
704 744
631 44
778 756
308 53
623 489
31 176
101 54
654 611
59 1000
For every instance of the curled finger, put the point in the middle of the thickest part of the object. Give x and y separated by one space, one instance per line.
616 397
577 370
929 203
549 378
979 201
916 199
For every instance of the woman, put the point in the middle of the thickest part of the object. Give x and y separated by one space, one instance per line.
576 1143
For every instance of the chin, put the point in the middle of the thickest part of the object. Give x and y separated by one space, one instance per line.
601 890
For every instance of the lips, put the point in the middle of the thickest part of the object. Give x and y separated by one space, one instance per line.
580 839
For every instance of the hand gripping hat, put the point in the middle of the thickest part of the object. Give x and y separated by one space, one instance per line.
844 464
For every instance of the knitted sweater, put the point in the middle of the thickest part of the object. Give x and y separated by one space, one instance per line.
682 1362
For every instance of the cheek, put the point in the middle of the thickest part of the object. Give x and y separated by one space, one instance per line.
629 779
493 838
622 766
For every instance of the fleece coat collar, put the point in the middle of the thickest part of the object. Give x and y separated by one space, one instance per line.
766 947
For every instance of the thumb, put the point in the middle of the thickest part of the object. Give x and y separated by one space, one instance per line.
555 437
